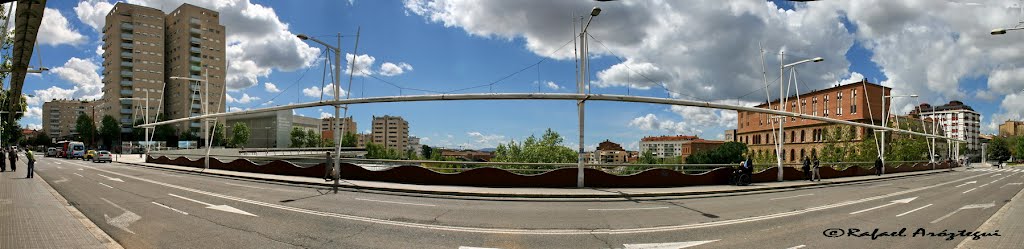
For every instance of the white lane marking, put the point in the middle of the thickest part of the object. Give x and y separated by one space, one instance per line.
669 245
1012 183
541 231
121 221
471 247
797 247
893 202
957 186
62 179
983 185
795 196
911 211
972 206
395 202
969 190
879 185
111 178
240 185
172 209
624 209
224 208
59 167
78 175
106 185
79 168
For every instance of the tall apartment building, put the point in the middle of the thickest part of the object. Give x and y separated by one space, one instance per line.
60 116
1011 128
391 131
327 126
956 119
665 146
856 102
144 48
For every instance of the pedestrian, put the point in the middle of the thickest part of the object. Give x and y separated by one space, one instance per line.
750 167
31 164
807 169
3 164
878 166
11 154
816 170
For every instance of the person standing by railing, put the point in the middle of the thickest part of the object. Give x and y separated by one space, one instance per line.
816 169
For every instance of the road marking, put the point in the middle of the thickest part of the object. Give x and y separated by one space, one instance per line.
957 186
541 231
879 185
470 247
62 179
106 185
122 221
969 190
111 178
624 209
173 209
893 202
972 206
795 196
78 175
59 167
797 247
240 185
224 208
1012 183
669 245
911 211
983 185
79 168
395 202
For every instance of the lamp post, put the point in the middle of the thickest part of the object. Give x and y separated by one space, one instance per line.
885 123
779 141
581 79
206 110
337 108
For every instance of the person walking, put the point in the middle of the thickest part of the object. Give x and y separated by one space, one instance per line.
3 163
13 156
816 169
31 164
878 166
807 169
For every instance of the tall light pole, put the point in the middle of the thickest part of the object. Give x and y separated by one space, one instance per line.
581 79
337 96
779 140
206 111
885 123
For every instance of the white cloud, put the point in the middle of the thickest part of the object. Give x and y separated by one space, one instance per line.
324 115
484 140
245 99
34 112
270 87
99 50
34 126
328 91
392 69
650 122
270 102
364 64
93 13
235 109
552 85
49 94
83 74
55 30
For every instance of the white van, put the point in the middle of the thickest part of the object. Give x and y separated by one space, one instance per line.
75 150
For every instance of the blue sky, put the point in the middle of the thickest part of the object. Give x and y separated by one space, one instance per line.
448 45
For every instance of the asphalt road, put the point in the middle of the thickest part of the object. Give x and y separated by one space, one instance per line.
142 207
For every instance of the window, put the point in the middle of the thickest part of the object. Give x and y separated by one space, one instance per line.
792 108
853 101
839 103
825 109
814 106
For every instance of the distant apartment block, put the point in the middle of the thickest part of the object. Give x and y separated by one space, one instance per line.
1011 128
956 119
414 145
608 152
730 135
391 131
665 146
60 116
327 126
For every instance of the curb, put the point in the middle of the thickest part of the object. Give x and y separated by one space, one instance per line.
545 196
96 232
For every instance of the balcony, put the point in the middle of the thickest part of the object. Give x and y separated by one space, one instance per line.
196 68
126 45
194 21
126 73
194 30
194 40
126 111
126 102
127 64
127 37
127 83
194 59
196 106
194 49
126 129
126 55
195 125
126 92
193 87
127 26
195 96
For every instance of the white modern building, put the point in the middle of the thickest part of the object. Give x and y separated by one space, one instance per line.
956 120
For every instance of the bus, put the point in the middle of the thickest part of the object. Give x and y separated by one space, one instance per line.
62 148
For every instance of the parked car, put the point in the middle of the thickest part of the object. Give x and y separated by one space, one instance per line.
89 154
51 152
103 156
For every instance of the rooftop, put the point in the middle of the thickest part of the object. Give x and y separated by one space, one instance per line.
669 138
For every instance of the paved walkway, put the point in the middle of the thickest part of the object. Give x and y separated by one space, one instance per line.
34 215
531 192
1006 221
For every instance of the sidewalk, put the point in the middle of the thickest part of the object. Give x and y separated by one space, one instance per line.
1007 222
34 215
528 192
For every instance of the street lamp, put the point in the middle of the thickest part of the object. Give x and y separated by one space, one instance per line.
885 122
581 78
337 96
782 105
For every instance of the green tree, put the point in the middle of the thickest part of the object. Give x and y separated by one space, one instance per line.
11 129
729 152
42 139
109 130
426 151
647 157
1016 145
349 140
547 149
298 137
239 135
313 139
218 135
376 151
86 129
998 149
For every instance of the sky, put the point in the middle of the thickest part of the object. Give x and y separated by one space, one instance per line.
704 50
